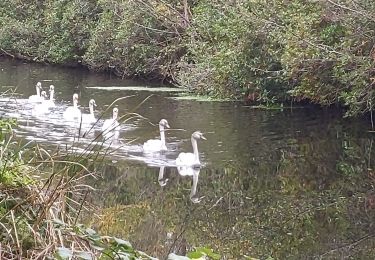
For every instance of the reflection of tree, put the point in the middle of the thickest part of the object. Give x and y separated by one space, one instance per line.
299 203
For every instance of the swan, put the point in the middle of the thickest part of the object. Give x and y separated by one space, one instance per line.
111 126
89 118
73 113
37 97
156 145
51 101
191 159
41 108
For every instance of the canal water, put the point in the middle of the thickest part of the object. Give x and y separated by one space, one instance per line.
295 183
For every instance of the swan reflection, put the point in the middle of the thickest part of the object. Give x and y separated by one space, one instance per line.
183 171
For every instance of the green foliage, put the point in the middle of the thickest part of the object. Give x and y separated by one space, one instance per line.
263 51
105 247
202 252
12 170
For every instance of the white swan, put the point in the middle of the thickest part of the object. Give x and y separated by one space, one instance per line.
89 118
73 113
42 108
156 145
191 159
51 101
111 126
37 98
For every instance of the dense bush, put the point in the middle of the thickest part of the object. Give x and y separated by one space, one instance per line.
319 51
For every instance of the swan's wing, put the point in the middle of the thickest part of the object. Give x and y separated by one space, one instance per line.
72 114
107 125
152 145
35 99
49 103
40 109
88 119
110 125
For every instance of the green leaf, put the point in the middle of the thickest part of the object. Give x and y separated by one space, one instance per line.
84 255
90 231
122 242
195 255
99 248
208 251
64 253
58 222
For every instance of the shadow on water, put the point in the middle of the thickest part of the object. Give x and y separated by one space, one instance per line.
293 184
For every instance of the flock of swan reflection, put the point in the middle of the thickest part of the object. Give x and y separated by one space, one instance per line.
40 118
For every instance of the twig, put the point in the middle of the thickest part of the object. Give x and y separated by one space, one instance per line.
16 233
348 245
352 10
217 202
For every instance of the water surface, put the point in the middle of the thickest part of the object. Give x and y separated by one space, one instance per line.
293 183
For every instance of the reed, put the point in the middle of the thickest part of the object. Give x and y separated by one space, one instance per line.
42 196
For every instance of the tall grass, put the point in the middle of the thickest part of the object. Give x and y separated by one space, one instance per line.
42 197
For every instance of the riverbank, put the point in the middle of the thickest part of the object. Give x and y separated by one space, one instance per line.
251 50
43 196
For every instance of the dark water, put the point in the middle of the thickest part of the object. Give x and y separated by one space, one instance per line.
288 184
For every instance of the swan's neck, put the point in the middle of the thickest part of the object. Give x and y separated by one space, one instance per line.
161 173
75 103
194 187
51 95
38 91
114 116
91 110
162 135
195 150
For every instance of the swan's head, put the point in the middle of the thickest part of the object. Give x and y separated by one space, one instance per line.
51 88
75 97
43 94
164 123
92 103
198 135
115 113
39 85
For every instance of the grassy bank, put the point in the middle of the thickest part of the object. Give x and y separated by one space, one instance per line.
317 51
42 198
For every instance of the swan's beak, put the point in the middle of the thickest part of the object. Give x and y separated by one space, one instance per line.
204 138
167 126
